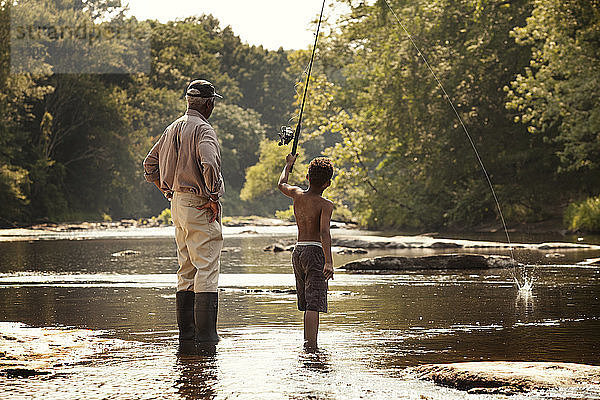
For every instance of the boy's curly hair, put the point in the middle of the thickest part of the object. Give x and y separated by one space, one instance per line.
320 171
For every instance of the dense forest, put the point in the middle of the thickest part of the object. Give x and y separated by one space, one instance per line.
522 74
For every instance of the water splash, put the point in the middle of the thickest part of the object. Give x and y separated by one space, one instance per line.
525 284
525 298
523 278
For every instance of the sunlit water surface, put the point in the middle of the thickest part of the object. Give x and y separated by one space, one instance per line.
377 325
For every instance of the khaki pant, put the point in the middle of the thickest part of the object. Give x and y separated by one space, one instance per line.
199 244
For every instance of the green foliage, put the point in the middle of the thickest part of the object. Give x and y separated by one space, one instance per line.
521 74
286 215
584 216
165 217
240 133
262 178
263 77
558 95
12 194
402 157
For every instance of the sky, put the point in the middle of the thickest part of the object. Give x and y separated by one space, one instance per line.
270 23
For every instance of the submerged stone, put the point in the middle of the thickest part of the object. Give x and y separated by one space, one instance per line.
22 372
350 251
590 261
27 352
427 242
275 248
510 377
125 253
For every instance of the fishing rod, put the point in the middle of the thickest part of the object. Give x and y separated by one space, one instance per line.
286 134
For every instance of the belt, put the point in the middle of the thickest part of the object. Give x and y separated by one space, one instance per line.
190 199
309 244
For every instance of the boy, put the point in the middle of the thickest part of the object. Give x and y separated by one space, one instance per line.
312 261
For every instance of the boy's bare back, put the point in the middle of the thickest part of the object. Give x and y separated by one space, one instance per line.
311 211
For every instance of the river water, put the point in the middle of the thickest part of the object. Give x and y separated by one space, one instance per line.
377 325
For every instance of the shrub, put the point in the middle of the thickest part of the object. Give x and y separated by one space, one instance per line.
286 215
165 217
584 216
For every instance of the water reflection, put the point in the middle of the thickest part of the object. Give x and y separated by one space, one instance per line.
198 374
315 361
525 301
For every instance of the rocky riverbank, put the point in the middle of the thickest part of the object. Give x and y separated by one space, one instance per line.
150 223
506 377
427 242
347 244
152 227
346 238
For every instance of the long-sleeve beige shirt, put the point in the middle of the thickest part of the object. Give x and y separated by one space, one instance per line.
187 158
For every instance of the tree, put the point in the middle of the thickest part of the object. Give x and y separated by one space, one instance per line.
240 133
262 178
558 95
264 78
404 159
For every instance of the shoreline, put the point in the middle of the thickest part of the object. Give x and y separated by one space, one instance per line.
549 227
345 236
348 236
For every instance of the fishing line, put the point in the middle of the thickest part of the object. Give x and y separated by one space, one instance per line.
441 86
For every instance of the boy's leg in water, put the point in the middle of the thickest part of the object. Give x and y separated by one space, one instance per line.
311 328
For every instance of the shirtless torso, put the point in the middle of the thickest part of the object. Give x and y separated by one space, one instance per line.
309 208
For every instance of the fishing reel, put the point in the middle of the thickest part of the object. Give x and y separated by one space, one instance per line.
286 135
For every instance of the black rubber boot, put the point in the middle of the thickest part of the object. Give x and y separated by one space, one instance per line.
185 320
205 311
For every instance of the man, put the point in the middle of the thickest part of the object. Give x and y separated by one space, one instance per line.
185 164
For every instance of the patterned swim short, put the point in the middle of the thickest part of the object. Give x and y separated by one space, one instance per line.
311 285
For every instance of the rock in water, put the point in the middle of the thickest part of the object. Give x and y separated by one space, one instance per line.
590 261
22 372
27 352
275 248
445 261
351 251
125 253
507 377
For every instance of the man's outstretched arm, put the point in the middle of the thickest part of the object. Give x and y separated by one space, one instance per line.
284 187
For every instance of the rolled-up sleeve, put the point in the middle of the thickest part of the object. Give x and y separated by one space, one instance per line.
209 154
151 163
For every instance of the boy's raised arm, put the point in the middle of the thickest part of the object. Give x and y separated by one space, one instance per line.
283 185
326 212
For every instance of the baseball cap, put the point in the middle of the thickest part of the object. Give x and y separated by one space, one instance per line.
201 88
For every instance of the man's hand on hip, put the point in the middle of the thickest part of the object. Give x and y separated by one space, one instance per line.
214 207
